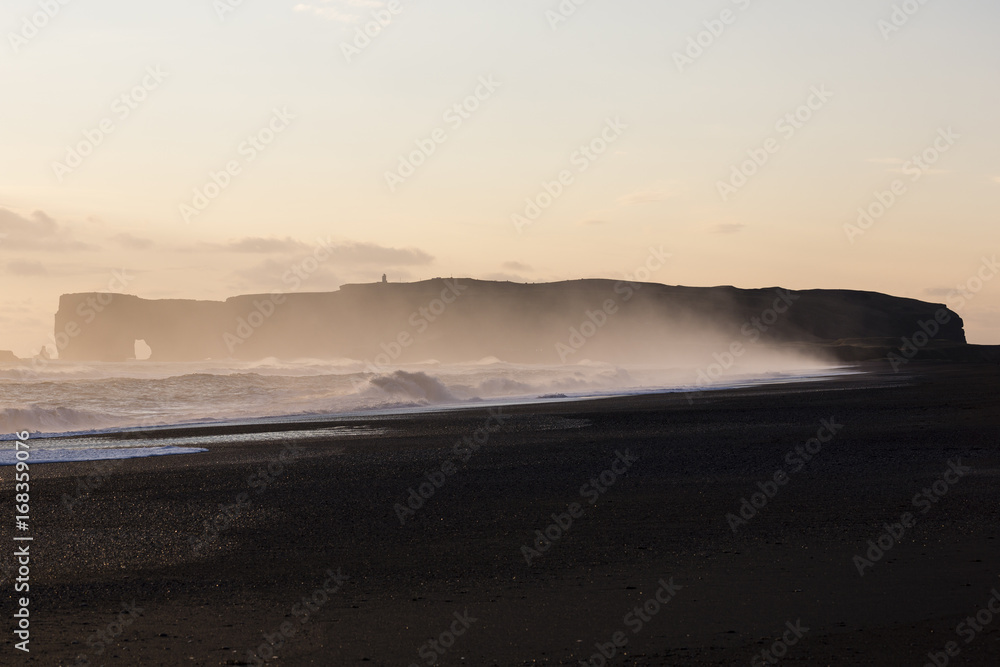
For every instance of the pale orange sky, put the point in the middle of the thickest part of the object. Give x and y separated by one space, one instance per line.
184 89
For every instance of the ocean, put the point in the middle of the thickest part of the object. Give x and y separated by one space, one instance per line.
59 400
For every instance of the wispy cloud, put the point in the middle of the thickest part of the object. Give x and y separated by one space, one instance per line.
342 253
729 228
269 275
131 242
370 253
258 245
516 266
21 267
37 232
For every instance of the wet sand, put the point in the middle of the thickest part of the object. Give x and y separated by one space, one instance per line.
134 574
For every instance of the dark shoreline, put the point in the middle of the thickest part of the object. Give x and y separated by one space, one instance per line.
332 506
305 422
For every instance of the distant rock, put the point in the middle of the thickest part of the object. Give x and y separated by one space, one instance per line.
468 320
7 357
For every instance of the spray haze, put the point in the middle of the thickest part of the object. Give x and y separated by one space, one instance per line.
442 342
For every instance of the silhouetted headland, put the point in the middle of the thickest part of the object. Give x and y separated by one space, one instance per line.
462 320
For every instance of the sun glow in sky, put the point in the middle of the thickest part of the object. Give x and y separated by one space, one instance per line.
203 148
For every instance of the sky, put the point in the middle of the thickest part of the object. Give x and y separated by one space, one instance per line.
207 148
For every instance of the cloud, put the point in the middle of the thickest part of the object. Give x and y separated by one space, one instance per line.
732 228
516 266
270 275
21 267
39 225
38 232
344 253
131 242
369 253
257 245
940 291
327 9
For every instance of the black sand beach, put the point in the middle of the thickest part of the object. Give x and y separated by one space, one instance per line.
131 575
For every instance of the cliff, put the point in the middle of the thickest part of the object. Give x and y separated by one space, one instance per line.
463 320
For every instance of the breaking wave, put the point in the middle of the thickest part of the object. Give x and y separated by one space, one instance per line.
65 397
419 387
54 420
